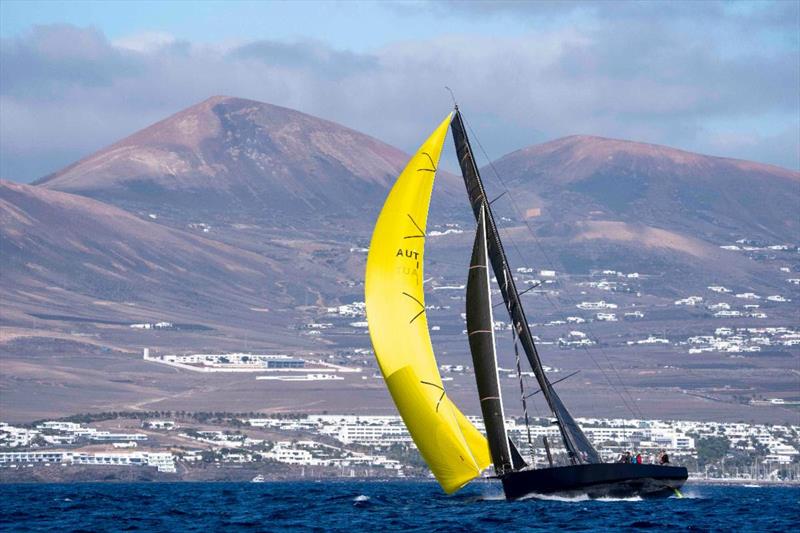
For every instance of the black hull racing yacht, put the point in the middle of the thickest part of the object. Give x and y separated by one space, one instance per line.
453 448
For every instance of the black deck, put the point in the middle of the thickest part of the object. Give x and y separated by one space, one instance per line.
604 480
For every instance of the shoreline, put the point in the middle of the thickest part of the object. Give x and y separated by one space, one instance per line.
110 474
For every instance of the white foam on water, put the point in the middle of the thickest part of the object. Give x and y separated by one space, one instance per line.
554 498
579 498
361 498
629 499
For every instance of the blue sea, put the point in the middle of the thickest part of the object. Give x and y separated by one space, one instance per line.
378 506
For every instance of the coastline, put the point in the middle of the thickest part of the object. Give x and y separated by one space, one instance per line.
122 474
54 474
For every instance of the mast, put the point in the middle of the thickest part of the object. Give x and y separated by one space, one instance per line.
480 329
578 446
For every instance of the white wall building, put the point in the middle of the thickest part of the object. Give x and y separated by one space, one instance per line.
162 461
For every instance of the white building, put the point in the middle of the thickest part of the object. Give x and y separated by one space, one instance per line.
74 430
689 300
718 288
602 304
163 461
777 298
748 296
15 437
650 340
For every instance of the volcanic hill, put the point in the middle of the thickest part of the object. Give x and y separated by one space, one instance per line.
597 202
235 154
636 183
68 256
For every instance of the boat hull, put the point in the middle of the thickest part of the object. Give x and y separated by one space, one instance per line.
604 480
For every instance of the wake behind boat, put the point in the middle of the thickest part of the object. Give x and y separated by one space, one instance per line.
455 451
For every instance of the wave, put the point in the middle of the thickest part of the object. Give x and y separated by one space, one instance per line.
555 498
629 499
579 498
491 497
362 500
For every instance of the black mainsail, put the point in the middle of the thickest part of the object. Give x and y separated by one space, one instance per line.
579 448
480 331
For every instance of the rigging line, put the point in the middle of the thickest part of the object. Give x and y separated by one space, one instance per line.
550 262
628 404
522 391
517 313
535 404
498 197
519 374
631 406
529 289
534 393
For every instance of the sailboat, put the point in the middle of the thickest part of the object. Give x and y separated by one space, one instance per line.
453 448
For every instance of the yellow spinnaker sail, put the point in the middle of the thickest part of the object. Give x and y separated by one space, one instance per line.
455 451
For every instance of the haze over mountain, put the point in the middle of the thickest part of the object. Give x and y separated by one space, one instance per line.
242 222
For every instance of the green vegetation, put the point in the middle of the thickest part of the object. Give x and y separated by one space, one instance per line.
235 419
711 449
406 455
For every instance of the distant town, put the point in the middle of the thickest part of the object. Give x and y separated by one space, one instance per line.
249 446
718 302
600 308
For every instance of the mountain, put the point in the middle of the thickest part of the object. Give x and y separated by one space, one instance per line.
598 202
76 275
231 154
67 259
595 178
245 225
232 214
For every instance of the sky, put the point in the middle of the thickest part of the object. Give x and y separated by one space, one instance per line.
720 78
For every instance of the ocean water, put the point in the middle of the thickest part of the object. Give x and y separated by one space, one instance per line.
378 506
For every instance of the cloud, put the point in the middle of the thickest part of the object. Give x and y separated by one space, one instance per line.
148 41
765 13
315 58
67 91
51 60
